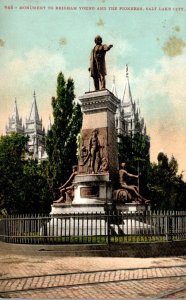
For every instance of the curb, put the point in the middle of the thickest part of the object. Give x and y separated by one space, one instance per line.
142 250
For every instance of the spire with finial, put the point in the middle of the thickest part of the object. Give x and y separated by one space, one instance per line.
16 114
127 95
14 122
127 71
34 115
113 90
127 102
34 128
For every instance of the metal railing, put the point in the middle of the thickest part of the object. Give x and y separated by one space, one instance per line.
95 228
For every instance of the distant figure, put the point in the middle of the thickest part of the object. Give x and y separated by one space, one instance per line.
122 179
97 63
67 188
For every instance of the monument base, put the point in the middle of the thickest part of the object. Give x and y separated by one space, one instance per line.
60 209
92 189
76 220
82 217
133 219
132 207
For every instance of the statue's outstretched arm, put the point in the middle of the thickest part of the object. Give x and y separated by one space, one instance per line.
107 48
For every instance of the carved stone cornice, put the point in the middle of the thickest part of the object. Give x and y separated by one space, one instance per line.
99 100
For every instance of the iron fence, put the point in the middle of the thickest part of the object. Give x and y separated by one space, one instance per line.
95 228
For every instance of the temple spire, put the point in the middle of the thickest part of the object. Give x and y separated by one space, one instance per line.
34 115
127 95
14 122
113 90
16 114
35 130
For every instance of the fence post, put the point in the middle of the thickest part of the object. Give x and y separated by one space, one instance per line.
171 227
167 226
169 232
108 226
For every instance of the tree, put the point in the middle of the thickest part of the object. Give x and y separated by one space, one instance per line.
12 153
167 189
36 194
23 186
158 182
61 139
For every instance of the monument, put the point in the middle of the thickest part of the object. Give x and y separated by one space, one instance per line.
98 163
96 183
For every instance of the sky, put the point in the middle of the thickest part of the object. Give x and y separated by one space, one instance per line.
38 40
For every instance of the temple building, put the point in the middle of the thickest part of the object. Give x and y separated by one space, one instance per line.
33 128
128 118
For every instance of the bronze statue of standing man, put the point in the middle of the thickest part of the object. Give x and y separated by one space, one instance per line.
97 63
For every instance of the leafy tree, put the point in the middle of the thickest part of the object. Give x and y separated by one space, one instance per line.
167 189
12 152
61 139
36 194
23 186
158 182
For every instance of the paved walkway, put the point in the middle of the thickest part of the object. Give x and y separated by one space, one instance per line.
23 276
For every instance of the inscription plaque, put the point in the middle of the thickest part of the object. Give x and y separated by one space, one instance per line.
89 192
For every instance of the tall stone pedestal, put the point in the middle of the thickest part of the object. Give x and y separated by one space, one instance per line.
99 110
98 162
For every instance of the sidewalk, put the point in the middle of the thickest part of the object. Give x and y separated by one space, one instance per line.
106 277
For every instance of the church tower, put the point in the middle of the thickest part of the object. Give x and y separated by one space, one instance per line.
128 107
15 122
119 119
128 118
35 131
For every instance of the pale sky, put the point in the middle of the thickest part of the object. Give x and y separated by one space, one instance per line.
148 35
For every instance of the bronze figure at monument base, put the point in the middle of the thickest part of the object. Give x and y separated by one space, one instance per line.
127 193
67 189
